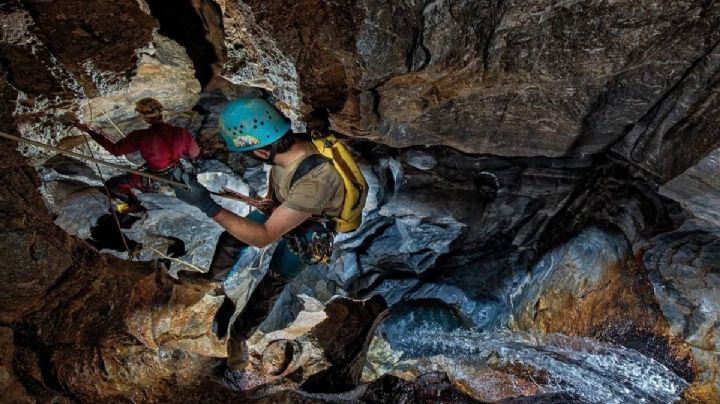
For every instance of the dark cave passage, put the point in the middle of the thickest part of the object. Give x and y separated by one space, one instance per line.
105 233
180 21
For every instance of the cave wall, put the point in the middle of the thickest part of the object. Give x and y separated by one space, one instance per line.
509 78
503 78
553 126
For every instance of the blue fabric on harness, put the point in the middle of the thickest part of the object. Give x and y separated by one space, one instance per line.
284 262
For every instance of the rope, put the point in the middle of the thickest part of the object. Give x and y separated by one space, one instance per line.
179 261
95 160
122 135
107 190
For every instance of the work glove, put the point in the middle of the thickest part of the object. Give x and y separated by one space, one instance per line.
197 195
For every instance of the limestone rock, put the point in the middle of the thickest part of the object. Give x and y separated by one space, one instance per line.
592 286
344 338
494 366
175 316
679 130
11 390
164 72
87 76
582 287
320 352
289 350
419 160
698 189
436 234
131 372
253 58
683 268
35 255
511 78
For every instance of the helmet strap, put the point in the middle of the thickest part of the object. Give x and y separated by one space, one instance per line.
271 157
273 153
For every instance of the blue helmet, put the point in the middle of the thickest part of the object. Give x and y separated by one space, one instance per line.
251 123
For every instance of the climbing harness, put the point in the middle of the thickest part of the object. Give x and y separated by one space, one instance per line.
316 250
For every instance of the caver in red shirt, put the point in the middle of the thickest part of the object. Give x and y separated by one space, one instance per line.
161 145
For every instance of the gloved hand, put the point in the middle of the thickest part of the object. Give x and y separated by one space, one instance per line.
197 196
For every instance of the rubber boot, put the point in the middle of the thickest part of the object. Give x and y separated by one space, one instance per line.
257 309
237 351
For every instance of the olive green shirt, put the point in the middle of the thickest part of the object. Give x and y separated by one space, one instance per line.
320 191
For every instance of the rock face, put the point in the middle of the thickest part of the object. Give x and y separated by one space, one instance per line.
10 387
683 268
583 287
541 222
174 316
507 78
107 329
47 252
698 189
59 64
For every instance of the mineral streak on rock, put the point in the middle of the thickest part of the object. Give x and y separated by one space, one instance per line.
683 266
593 286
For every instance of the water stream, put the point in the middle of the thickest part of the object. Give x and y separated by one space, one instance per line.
590 370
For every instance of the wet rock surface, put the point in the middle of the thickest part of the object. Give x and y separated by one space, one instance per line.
683 268
574 261
495 366
431 387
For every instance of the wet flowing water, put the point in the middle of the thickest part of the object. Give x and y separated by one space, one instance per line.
588 369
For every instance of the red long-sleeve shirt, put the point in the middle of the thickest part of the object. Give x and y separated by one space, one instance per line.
161 145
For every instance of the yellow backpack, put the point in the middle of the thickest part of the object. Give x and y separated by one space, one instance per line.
356 189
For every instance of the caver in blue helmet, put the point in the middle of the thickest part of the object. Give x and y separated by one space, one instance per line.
297 220
251 123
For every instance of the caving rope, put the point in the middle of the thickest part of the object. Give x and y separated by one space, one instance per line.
131 254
